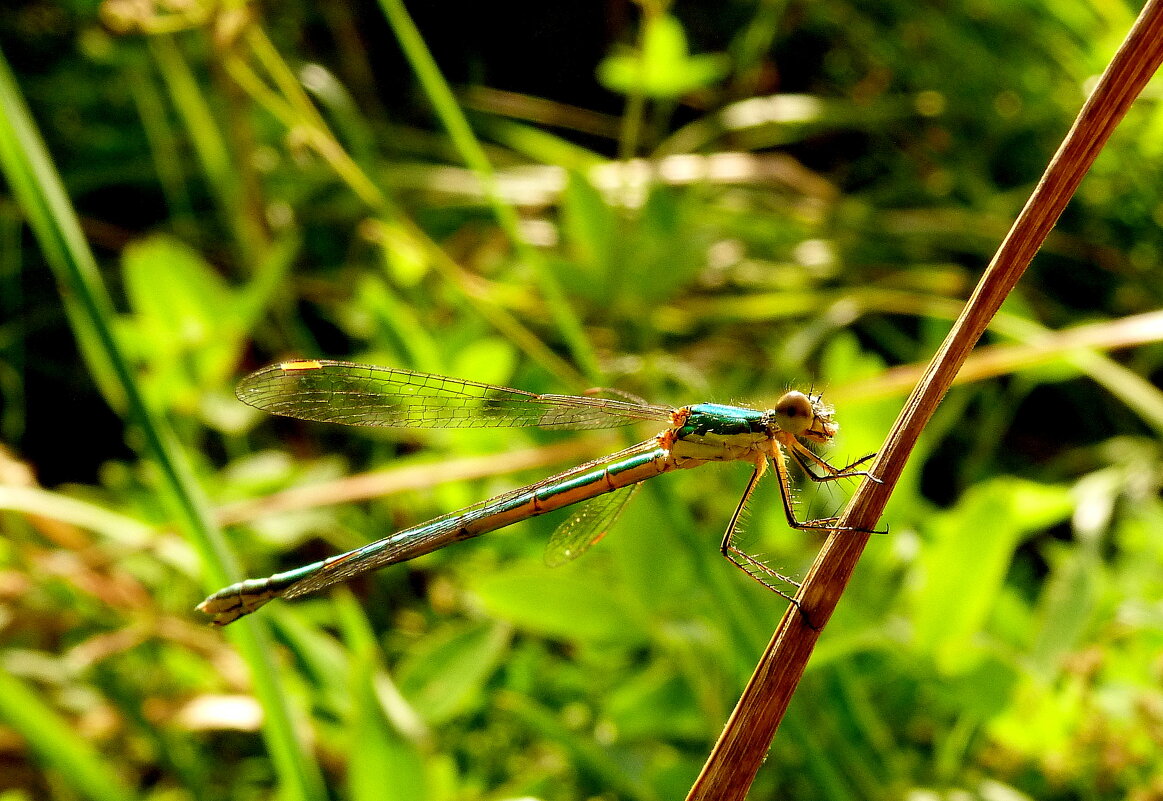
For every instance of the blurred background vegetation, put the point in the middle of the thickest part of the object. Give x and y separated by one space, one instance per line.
697 202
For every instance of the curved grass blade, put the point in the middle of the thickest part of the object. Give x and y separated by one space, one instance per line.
30 172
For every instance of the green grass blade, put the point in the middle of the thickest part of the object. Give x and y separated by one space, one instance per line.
464 140
35 183
210 147
57 744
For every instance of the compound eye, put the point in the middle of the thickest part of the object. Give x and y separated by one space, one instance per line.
794 413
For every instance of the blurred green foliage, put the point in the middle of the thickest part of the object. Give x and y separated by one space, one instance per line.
814 189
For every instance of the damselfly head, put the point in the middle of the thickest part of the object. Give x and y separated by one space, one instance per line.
805 416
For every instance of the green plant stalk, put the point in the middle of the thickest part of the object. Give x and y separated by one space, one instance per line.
209 146
290 105
57 744
820 767
450 114
633 118
292 111
165 149
12 417
750 47
632 126
29 170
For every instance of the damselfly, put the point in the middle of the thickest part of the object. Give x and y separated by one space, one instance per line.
362 395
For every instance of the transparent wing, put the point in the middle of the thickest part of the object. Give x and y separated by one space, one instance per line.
364 395
591 522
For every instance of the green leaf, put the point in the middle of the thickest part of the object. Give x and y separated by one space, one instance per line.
655 704
184 328
486 359
558 605
590 230
384 765
446 671
962 571
664 69
666 251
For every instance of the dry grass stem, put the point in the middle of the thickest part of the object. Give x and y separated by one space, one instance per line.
743 745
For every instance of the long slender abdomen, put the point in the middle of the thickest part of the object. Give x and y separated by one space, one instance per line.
564 489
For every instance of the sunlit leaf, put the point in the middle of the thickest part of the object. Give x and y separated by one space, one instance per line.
664 68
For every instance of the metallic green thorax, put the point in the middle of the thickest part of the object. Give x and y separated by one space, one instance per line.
716 418
712 432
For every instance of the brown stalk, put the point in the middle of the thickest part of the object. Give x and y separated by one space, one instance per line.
743 745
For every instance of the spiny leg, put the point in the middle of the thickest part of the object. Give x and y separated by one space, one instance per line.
754 568
785 494
806 458
785 491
